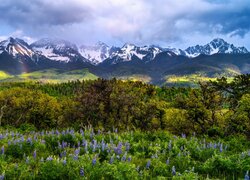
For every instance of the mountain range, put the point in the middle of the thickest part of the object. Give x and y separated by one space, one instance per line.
216 58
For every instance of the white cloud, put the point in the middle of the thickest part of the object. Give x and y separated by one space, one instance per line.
118 21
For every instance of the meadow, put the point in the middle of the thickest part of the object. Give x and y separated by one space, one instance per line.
85 154
116 129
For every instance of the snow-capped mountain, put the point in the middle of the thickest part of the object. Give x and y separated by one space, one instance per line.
57 50
64 52
16 48
216 46
96 53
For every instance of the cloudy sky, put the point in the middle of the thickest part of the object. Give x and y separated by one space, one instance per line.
177 23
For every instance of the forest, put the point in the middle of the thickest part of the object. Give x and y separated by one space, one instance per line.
117 129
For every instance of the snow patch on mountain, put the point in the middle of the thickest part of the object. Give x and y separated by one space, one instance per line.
215 46
16 47
48 52
96 53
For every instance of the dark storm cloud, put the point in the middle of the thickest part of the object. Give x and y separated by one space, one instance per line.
120 21
23 13
233 19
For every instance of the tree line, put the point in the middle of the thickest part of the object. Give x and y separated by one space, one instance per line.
219 108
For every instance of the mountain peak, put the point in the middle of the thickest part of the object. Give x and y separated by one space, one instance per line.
216 46
54 42
218 40
15 47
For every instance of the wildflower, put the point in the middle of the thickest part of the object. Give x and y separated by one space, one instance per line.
75 157
118 149
127 145
27 160
29 140
124 157
81 172
167 162
173 171
34 154
2 177
221 147
129 159
49 158
183 135
77 151
170 145
42 159
148 164
247 176
111 160
94 161
64 162
103 145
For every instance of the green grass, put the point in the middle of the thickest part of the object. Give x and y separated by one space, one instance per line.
50 76
141 155
136 77
4 75
193 79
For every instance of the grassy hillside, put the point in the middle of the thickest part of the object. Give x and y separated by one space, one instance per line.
4 75
50 75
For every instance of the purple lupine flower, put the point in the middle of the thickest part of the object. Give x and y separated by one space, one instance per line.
124 157
29 140
2 150
127 145
246 176
148 164
170 145
77 151
118 149
64 162
81 132
111 160
75 157
49 158
103 146
27 160
81 172
64 153
183 135
221 147
173 171
94 161
2 177
34 154
167 162
129 159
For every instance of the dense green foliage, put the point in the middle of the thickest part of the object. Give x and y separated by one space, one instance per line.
218 108
131 155
212 124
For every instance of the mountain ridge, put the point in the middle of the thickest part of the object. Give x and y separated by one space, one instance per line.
153 62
